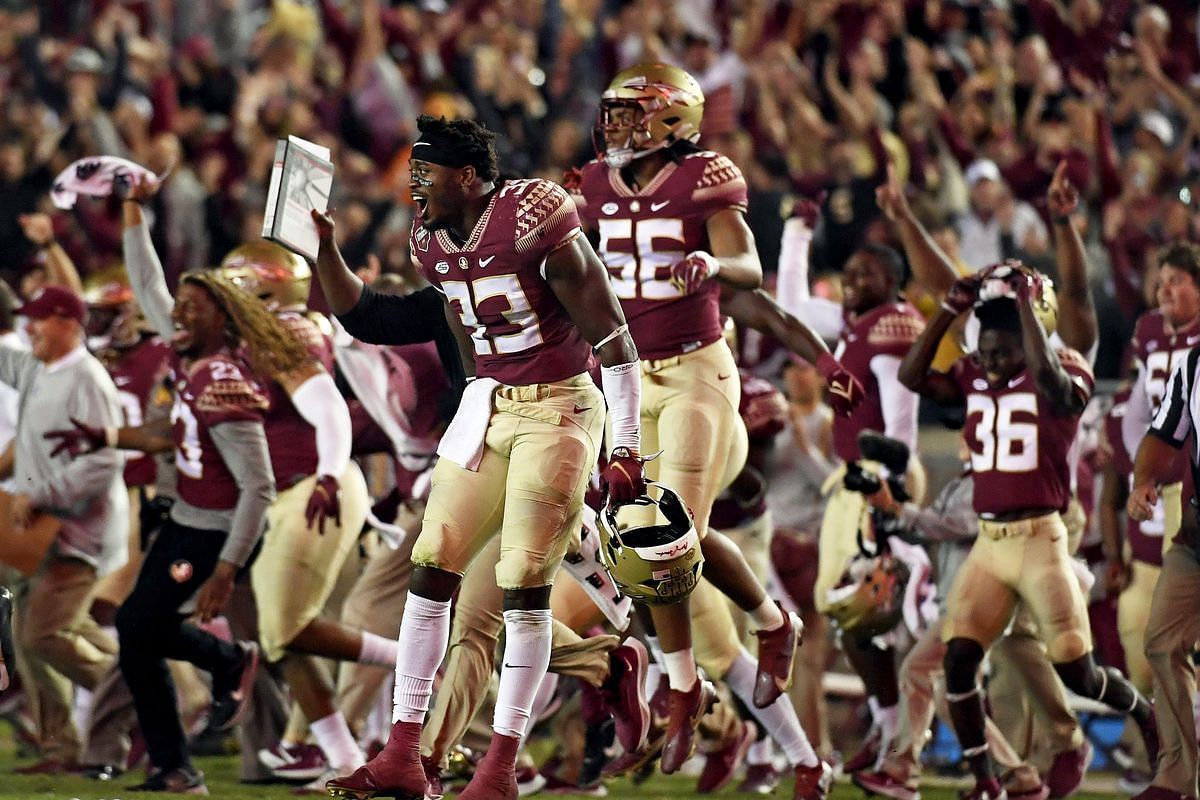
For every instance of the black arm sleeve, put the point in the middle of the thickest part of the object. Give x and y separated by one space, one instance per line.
389 319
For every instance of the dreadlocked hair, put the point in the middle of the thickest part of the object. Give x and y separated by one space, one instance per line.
272 348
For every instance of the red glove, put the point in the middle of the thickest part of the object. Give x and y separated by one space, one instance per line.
690 274
572 179
622 478
77 441
845 392
1025 284
808 211
323 503
963 294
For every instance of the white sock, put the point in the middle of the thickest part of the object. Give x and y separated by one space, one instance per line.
334 737
761 752
544 697
424 632
767 617
527 637
681 669
656 652
377 650
654 674
889 719
779 718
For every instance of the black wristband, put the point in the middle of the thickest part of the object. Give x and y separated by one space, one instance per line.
1061 219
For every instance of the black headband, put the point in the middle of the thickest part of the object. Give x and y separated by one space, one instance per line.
438 152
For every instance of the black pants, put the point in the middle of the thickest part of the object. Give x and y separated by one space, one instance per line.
152 629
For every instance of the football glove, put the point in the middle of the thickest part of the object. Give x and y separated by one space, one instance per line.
323 503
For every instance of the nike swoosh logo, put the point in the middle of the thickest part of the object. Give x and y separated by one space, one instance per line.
483 262
579 410
515 666
657 206
1017 381
722 377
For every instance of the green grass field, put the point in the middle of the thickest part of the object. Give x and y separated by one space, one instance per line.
221 773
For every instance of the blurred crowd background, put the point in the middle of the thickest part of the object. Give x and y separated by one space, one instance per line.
972 102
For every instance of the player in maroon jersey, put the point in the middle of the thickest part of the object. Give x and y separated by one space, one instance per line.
672 231
225 486
874 328
1162 337
529 302
1023 401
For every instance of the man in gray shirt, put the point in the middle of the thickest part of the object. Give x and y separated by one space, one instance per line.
57 381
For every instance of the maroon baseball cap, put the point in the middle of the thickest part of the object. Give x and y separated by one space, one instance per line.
54 301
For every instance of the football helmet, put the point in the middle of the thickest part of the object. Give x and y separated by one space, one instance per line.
653 564
114 318
997 281
270 272
869 598
668 105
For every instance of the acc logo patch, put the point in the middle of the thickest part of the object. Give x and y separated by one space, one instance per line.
609 208
980 385
441 267
181 571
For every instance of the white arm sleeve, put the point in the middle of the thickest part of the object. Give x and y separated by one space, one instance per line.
322 406
899 404
823 316
1137 417
622 387
146 279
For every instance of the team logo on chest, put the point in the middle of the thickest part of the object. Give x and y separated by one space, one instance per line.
441 267
463 263
181 571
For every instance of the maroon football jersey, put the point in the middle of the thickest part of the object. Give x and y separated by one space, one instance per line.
764 413
291 440
1018 444
888 330
644 233
138 372
494 282
417 383
1157 348
1145 538
209 392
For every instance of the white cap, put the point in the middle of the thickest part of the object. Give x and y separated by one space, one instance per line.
982 169
1157 123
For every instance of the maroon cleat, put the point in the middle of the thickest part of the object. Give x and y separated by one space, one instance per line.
396 772
496 775
760 779
720 765
1066 772
433 780
813 783
685 711
1159 793
867 754
776 653
879 782
626 699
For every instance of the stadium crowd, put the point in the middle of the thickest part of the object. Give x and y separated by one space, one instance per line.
173 385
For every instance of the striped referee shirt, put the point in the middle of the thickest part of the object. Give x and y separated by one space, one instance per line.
1176 417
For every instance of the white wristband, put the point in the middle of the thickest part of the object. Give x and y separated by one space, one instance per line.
110 437
711 264
622 386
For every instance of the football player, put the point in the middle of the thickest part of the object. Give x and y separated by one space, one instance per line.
1023 401
225 487
529 303
672 231
874 329
320 491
